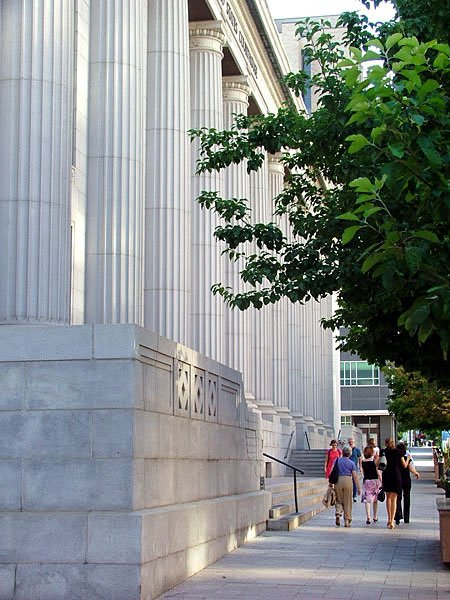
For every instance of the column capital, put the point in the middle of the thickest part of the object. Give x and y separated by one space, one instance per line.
206 36
275 166
236 88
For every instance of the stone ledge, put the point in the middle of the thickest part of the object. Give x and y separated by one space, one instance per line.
443 506
106 554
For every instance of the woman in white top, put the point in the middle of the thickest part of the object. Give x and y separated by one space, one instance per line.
376 450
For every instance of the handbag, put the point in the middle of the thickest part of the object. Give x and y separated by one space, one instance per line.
381 495
334 475
329 498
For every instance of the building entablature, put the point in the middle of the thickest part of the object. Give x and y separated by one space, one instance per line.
252 48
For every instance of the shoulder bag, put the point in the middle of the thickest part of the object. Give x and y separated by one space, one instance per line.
382 462
334 475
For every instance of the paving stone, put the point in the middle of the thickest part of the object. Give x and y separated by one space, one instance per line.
321 561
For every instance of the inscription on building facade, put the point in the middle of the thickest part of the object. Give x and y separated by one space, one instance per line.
234 23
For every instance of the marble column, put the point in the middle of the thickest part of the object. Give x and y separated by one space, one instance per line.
207 311
296 368
168 198
236 185
36 95
328 361
260 379
278 316
116 162
299 376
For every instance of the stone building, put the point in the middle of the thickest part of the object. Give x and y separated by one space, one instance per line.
294 44
134 406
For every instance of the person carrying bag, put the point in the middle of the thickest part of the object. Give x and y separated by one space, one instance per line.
344 471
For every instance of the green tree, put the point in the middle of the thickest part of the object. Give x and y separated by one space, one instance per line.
425 19
376 231
416 402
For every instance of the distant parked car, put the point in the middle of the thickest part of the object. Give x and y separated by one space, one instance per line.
423 457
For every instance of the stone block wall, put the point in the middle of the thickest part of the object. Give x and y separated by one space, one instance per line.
127 463
278 442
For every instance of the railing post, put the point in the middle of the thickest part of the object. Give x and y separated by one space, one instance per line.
307 440
284 463
295 491
289 445
294 469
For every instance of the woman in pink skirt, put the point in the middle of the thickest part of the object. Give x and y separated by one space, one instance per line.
371 484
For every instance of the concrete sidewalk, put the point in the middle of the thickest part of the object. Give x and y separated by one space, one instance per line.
319 560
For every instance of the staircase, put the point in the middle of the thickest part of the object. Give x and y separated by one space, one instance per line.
309 461
282 515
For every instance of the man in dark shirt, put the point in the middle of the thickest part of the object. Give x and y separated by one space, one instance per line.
357 459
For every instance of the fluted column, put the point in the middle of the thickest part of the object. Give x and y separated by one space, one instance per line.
236 185
261 355
207 311
36 87
278 313
299 373
117 91
296 360
317 368
328 360
168 198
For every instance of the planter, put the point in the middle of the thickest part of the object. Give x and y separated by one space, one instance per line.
443 506
445 485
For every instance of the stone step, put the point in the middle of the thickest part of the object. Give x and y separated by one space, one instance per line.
282 515
302 490
293 520
279 510
280 483
288 499
279 496
310 470
310 461
315 452
286 484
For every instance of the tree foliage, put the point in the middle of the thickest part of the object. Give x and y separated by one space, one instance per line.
425 19
377 234
416 402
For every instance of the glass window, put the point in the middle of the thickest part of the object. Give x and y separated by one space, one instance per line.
307 98
359 372
346 420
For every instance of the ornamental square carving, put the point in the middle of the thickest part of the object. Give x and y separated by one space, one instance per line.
182 405
229 402
212 406
198 394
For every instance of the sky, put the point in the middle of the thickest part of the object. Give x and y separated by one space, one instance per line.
311 8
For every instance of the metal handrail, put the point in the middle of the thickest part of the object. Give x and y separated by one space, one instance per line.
289 445
307 440
295 469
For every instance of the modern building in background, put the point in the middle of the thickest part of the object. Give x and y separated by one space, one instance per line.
134 406
364 398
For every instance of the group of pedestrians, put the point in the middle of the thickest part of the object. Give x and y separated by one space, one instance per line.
388 469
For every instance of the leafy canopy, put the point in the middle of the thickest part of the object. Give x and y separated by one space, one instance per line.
376 232
416 402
